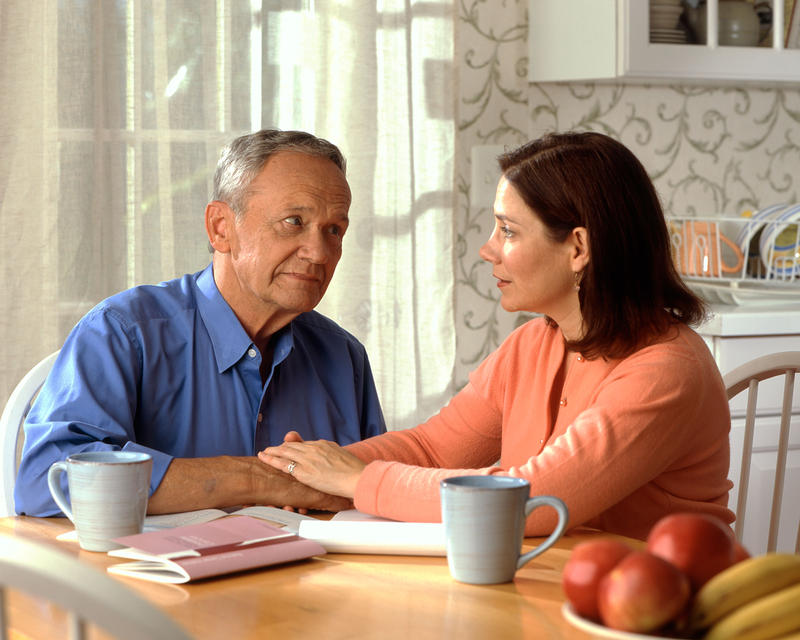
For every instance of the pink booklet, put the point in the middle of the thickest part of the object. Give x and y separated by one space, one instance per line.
225 545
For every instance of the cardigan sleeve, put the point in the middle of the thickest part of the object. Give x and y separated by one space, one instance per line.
401 479
653 438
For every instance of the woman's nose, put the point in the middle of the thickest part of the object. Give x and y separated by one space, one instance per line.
486 253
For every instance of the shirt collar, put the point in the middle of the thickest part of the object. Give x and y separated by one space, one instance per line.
228 338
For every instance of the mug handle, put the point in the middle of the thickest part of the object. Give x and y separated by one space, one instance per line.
563 518
54 484
737 250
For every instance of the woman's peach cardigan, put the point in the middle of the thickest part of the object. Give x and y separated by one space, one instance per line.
633 440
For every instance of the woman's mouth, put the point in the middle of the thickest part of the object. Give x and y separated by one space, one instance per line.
502 283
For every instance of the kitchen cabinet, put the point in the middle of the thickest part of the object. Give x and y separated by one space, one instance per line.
609 40
736 334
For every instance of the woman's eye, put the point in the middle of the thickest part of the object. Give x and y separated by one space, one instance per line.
506 231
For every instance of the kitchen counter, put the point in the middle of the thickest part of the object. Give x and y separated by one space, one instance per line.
754 320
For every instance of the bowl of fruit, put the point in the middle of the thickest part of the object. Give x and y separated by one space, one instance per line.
690 579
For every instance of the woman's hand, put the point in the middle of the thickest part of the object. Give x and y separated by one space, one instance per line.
320 464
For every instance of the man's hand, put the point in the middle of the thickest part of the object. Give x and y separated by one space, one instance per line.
226 481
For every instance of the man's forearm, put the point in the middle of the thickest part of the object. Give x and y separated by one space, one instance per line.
226 481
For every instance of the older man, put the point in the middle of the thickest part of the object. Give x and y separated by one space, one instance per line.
205 370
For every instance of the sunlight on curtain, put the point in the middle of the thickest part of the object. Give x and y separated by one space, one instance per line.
111 120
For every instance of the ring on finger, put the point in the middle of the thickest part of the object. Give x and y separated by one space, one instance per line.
291 466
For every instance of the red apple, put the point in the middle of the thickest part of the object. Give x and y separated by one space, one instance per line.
740 553
642 593
698 544
587 564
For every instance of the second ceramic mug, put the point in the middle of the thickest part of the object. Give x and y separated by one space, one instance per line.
108 493
484 523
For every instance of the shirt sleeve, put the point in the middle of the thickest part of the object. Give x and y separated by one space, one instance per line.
87 403
372 420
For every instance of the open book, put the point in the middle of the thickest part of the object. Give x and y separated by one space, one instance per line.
213 548
288 520
348 531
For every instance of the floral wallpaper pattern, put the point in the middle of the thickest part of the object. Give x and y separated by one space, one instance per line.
711 150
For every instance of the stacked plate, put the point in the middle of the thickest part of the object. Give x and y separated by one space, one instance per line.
773 234
665 16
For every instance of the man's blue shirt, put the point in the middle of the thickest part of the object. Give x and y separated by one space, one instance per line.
169 370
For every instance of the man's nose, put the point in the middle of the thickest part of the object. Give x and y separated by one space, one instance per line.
316 248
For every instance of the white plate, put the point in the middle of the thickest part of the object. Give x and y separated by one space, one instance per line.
601 631
754 223
668 32
785 264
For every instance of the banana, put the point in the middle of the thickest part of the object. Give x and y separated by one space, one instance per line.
744 582
768 617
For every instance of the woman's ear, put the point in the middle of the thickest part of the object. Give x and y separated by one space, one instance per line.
219 222
579 240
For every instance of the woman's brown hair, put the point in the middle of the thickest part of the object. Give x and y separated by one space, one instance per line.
630 291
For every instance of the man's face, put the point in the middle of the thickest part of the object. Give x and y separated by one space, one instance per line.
286 244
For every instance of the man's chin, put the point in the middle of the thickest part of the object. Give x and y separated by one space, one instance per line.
301 304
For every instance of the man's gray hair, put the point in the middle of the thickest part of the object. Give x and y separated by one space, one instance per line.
243 158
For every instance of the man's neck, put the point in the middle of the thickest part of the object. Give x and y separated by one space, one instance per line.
259 322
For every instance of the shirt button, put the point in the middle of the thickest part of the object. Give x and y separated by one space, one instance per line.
260 417
251 352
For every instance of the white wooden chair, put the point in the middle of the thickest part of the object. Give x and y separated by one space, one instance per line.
748 376
16 409
89 597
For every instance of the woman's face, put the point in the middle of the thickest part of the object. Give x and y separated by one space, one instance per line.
534 272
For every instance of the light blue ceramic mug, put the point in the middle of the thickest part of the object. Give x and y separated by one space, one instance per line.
484 522
108 492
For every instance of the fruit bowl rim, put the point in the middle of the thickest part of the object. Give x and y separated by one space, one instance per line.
602 631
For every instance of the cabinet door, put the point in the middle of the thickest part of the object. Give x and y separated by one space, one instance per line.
641 59
577 40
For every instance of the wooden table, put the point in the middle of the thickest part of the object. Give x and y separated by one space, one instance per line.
333 596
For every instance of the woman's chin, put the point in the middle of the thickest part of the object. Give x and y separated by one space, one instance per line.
508 305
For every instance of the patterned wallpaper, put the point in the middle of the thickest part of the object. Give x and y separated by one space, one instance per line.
710 150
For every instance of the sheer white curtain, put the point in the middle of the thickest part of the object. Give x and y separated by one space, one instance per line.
111 118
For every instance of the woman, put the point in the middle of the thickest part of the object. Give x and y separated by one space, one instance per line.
610 401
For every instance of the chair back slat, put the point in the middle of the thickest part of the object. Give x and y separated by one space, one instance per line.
747 453
780 464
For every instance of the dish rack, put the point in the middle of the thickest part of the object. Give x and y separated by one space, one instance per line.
748 259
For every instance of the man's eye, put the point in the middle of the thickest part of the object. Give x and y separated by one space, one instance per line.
293 220
336 230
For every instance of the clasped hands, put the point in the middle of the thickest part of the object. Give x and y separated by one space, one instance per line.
319 464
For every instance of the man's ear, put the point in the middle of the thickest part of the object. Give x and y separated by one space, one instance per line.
219 222
579 241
